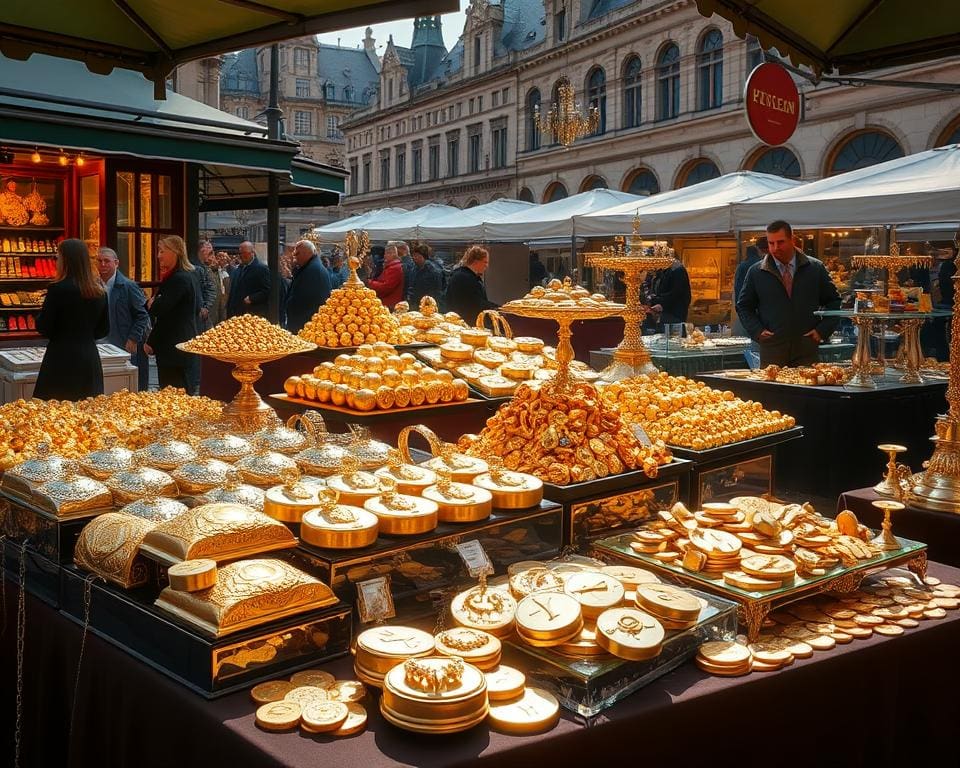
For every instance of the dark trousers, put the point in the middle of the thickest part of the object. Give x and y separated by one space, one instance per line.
172 376
793 351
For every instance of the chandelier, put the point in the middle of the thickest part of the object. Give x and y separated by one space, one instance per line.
563 120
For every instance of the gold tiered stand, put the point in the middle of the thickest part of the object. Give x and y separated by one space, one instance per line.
247 410
564 317
938 486
631 357
892 262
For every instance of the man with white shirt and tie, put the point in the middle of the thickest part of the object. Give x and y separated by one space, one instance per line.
778 299
129 321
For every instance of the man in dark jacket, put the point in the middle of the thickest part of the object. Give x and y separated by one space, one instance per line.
309 286
427 280
754 254
466 294
779 297
249 285
671 293
129 321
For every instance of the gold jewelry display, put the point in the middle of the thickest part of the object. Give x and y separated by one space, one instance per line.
109 546
441 695
380 649
73 494
596 592
485 608
546 619
291 500
263 467
464 641
433 678
475 646
336 526
234 491
510 490
402 515
458 502
630 634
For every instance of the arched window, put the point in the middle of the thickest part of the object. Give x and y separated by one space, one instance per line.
710 70
951 134
641 182
593 182
778 161
472 203
631 93
597 96
556 191
754 54
864 149
668 82
526 194
697 171
329 92
533 132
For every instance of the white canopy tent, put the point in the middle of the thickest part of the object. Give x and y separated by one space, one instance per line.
704 208
404 225
334 232
919 188
554 219
468 224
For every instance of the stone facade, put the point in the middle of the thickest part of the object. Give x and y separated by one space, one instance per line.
686 125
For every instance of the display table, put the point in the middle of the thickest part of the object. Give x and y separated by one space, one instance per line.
19 367
842 428
880 701
940 530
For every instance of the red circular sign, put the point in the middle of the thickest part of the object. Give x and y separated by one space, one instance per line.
772 104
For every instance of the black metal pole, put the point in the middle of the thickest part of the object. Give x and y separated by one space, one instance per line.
273 190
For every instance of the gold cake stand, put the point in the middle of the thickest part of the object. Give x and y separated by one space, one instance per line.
564 317
247 409
631 357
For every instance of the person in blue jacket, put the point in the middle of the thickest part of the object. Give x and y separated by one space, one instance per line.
309 286
129 320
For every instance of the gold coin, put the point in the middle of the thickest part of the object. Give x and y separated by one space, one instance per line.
907 622
860 633
946 602
347 691
304 694
931 581
866 620
273 690
723 670
724 653
323 716
891 630
505 683
535 711
312 677
279 715
934 613
768 653
356 721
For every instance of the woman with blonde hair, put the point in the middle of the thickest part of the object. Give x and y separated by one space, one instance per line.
466 294
75 314
173 312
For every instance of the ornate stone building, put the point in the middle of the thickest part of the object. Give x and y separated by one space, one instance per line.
669 86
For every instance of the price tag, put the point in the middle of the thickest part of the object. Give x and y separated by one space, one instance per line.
641 434
375 600
475 558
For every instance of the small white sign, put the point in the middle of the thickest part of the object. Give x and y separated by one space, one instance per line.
475 558
641 434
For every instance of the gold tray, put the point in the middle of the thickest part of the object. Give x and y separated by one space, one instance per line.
316 404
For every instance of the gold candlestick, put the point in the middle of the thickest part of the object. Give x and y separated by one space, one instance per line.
890 485
626 255
885 540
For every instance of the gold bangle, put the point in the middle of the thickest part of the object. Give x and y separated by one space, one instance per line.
431 679
467 640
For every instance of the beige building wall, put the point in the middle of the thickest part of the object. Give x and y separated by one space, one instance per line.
200 80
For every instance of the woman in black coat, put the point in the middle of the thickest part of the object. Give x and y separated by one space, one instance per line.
75 314
466 294
173 312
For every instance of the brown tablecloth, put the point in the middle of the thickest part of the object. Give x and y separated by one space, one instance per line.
940 531
875 702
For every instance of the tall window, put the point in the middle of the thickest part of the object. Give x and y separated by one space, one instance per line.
778 161
754 54
416 161
302 122
631 93
474 147
453 153
864 149
434 158
710 70
243 112
366 174
642 182
498 134
329 91
533 133
384 169
354 180
303 87
476 53
560 25
597 96
333 127
145 212
495 98
401 166
348 93
668 82
301 58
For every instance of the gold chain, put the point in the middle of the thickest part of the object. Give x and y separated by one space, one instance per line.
21 632
87 588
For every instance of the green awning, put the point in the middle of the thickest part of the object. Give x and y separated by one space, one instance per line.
309 184
846 35
152 37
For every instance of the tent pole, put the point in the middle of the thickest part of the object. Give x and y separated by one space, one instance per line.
273 191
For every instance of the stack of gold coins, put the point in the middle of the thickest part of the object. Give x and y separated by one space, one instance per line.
671 606
630 634
596 592
720 550
380 649
584 645
724 658
338 526
437 694
534 711
631 578
505 683
192 575
546 619
490 609
472 645
537 578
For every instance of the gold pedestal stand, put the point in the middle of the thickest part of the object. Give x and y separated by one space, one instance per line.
885 540
861 362
631 357
892 483
938 486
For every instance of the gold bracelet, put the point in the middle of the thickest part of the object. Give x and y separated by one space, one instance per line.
433 679
465 640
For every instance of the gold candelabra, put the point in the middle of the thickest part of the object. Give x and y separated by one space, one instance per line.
564 120
938 486
893 262
627 255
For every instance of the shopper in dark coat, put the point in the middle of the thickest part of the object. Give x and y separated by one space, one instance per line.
427 280
129 321
671 293
466 294
172 310
74 315
249 285
779 297
309 286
